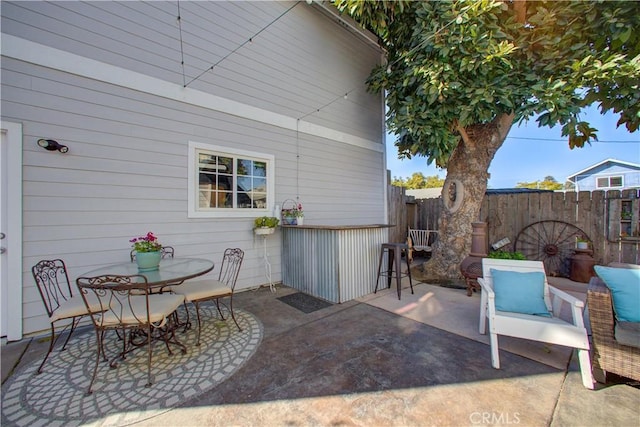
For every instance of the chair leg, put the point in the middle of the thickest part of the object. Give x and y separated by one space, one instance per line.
149 341
187 323
585 368
219 311
409 271
197 305
100 349
482 324
379 268
390 261
495 356
101 344
233 315
74 324
51 344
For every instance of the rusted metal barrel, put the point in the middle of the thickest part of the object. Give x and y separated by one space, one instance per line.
582 266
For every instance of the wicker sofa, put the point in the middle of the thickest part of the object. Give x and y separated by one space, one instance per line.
609 355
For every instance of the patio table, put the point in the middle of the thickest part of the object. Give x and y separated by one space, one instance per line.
172 271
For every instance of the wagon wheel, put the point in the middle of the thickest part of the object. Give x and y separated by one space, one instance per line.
552 242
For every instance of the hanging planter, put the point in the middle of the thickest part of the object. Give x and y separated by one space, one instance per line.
292 213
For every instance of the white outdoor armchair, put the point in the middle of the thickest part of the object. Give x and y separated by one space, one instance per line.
529 326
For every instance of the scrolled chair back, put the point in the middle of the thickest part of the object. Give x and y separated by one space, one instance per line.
230 268
53 283
124 300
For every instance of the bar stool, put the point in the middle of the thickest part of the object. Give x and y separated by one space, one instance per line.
394 253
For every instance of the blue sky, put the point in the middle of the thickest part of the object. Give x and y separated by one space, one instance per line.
543 152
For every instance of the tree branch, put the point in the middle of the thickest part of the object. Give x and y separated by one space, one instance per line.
520 7
463 132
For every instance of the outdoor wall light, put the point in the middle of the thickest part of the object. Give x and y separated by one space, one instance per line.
52 145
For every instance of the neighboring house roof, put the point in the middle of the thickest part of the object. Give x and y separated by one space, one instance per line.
434 193
573 177
516 190
425 193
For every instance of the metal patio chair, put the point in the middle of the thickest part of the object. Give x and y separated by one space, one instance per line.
214 290
128 307
59 300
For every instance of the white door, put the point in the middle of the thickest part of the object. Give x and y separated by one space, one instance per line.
11 231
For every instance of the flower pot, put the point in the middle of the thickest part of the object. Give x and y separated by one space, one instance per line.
289 220
261 231
582 245
300 220
148 261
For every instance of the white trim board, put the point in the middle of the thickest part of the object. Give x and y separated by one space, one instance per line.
36 53
13 240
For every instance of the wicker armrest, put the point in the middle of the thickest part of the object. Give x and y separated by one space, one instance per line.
609 355
600 307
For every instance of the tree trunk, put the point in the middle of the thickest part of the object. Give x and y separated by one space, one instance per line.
464 189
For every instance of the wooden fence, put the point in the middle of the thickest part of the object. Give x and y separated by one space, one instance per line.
399 211
611 220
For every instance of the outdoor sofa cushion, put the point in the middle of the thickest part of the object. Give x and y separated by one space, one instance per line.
628 333
624 284
520 292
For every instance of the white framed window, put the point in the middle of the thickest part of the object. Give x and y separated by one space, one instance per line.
227 182
614 181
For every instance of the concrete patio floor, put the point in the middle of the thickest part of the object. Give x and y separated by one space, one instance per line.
367 363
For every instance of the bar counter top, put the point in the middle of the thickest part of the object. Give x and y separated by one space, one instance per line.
338 227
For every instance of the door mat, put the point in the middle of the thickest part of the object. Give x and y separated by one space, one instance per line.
304 302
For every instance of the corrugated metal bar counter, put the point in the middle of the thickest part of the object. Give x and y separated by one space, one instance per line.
335 263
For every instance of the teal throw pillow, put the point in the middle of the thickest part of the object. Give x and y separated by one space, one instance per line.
520 292
624 284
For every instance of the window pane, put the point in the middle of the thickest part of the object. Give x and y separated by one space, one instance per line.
244 184
244 167
259 169
206 179
225 165
225 182
602 182
259 200
224 199
260 184
205 159
244 200
204 199
616 181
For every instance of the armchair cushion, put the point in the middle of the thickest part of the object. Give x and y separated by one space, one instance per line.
520 292
624 284
628 333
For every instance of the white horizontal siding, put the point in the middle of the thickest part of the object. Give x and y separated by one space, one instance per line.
299 63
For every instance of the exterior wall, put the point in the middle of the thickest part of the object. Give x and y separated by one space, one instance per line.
104 79
630 176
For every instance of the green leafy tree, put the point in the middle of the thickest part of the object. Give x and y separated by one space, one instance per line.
549 183
398 181
418 180
459 74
